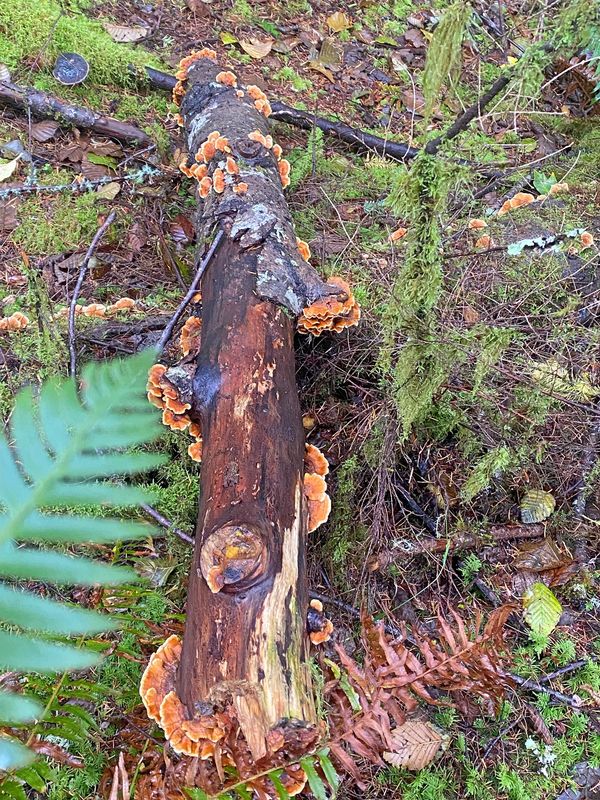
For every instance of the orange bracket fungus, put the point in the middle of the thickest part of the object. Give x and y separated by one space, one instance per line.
331 313
189 338
16 322
319 627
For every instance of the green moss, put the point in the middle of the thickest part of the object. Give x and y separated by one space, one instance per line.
289 76
48 27
60 225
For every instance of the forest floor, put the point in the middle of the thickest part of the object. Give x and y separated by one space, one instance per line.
428 480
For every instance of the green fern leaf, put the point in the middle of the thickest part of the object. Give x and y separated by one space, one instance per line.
329 770
61 444
274 777
315 781
16 709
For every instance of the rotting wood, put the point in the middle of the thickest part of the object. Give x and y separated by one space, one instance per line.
242 665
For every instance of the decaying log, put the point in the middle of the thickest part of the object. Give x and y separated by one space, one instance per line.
45 106
243 659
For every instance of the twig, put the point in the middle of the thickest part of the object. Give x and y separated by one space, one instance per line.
354 612
573 667
466 541
462 121
158 517
168 331
137 176
535 686
82 273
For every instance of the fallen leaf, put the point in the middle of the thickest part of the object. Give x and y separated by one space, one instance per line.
92 171
105 161
415 37
330 54
197 6
44 131
541 609
318 67
126 33
484 241
108 191
4 74
228 38
286 44
6 170
398 234
416 744
540 556
470 315
256 48
338 21
182 230
537 506
476 224
8 216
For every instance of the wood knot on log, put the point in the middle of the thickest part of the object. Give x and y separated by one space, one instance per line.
233 558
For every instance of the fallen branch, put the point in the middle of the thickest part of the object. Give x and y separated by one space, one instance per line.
166 523
168 331
45 106
304 119
464 120
82 273
461 541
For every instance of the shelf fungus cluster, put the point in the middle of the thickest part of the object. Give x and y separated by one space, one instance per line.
192 737
330 313
100 310
16 322
189 338
319 627
315 487
163 394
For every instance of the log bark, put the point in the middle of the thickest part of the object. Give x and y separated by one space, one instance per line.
245 638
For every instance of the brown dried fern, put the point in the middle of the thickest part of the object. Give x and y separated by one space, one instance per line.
397 673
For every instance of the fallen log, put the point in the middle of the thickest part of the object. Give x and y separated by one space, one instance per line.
238 687
45 106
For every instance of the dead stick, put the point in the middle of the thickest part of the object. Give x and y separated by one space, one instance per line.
166 523
45 106
535 686
82 273
468 115
566 669
168 331
466 541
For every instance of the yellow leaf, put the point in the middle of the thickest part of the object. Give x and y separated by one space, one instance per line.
256 48
6 170
541 609
228 38
537 506
338 21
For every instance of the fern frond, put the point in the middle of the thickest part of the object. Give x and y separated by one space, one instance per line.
61 443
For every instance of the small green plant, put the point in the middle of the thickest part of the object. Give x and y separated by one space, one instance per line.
470 566
63 447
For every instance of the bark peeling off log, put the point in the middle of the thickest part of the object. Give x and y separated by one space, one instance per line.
245 639
261 215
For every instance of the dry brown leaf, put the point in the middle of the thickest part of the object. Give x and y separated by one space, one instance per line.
338 21
416 744
256 48
126 33
44 131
